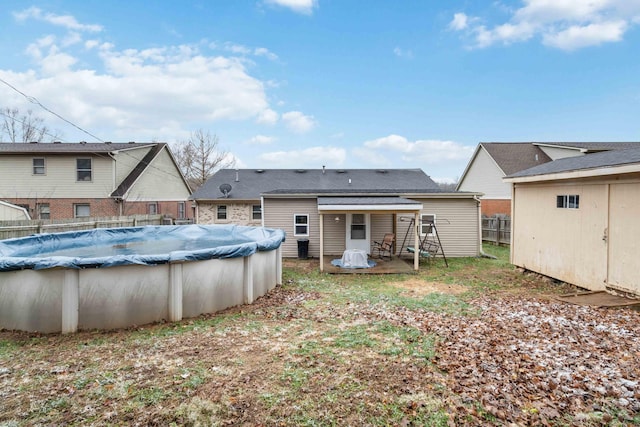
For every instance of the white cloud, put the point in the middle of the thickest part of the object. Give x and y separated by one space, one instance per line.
388 149
298 122
403 53
576 37
267 117
66 21
261 140
309 157
263 51
459 22
563 24
131 94
300 6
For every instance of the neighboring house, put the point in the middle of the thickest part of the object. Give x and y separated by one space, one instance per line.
9 212
339 209
492 161
576 219
63 180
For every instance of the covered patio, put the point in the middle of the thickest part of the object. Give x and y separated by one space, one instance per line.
368 205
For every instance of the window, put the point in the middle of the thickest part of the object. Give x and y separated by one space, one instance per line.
81 211
301 225
38 167
44 211
358 227
257 212
427 222
222 212
152 208
181 210
83 169
568 201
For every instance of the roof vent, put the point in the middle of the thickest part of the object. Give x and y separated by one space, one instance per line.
132 142
83 142
33 142
301 170
57 142
382 171
341 171
225 189
259 170
107 142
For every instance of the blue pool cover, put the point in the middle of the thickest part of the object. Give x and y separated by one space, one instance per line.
149 245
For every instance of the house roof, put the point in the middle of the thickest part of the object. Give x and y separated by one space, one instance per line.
68 148
591 147
607 159
512 157
142 165
250 184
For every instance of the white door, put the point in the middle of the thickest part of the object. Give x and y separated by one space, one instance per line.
359 232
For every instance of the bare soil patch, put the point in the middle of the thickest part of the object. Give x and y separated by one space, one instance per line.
419 287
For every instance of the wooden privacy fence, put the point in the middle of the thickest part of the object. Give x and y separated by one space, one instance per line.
12 229
496 230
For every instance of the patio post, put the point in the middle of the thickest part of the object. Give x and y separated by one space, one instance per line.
321 242
416 236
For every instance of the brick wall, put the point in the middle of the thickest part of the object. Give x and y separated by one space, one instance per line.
492 207
64 208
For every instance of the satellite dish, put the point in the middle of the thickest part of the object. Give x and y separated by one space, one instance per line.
225 189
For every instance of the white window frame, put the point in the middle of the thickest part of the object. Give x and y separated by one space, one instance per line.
44 209
255 211
90 170
423 224
219 211
568 201
75 210
296 224
42 167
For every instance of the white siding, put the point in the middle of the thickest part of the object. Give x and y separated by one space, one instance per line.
161 181
59 180
456 223
9 212
278 213
126 160
560 153
485 176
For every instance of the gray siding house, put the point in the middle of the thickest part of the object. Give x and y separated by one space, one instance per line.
339 209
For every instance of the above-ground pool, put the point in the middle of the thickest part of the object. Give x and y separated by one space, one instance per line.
119 277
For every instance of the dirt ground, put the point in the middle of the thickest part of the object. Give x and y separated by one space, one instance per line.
364 351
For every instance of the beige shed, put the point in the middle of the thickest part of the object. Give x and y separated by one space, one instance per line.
578 220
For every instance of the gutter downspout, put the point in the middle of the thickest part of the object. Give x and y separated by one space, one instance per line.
480 252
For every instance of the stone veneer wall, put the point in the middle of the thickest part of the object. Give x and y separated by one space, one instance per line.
237 213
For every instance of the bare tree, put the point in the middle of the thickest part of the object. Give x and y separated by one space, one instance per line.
19 127
448 186
200 157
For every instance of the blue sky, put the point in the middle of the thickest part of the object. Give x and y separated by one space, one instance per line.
340 83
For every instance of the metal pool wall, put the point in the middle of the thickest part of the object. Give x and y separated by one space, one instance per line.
64 299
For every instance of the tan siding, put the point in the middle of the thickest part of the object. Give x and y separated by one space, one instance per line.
485 176
624 229
562 243
456 222
160 181
126 160
380 225
278 213
59 180
334 234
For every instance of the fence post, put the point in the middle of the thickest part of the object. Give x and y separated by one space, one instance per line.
498 231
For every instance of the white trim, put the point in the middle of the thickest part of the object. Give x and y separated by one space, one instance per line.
351 208
295 225
583 173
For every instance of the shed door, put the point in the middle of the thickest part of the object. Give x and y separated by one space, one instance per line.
624 229
358 232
